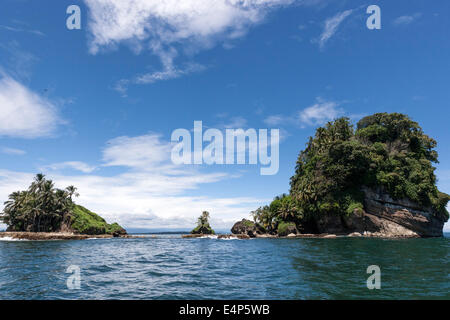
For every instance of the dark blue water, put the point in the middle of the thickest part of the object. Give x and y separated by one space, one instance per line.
169 267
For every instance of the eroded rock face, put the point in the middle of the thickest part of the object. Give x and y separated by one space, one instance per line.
247 227
385 217
399 216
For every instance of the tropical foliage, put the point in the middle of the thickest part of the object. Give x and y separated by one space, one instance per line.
203 226
41 208
386 152
44 208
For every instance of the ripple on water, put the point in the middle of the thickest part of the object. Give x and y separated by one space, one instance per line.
175 268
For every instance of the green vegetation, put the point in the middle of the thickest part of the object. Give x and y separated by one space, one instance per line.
284 227
88 222
387 153
203 226
43 208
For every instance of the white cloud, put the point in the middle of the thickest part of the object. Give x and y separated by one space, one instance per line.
319 113
275 120
16 29
234 123
331 26
169 27
140 152
12 151
24 113
405 20
143 199
151 192
168 73
76 165
142 22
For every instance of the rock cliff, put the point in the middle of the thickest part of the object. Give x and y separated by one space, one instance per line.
385 217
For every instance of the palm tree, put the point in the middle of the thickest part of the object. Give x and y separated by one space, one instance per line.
40 208
72 192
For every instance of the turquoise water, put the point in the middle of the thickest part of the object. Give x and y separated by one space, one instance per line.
169 267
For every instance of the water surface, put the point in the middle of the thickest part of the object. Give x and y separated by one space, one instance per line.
168 267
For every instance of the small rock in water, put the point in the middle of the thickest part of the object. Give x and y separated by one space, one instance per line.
355 234
291 235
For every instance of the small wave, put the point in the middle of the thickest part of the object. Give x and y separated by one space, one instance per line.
209 237
12 239
219 238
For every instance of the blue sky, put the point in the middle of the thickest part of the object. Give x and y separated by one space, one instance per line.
98 105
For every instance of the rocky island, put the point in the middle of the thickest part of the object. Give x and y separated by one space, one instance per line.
376 180
43 212
203 227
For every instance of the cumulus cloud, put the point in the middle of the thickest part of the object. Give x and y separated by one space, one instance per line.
147 190
171 21
140 152
143 199
25 114
331 26
319 113
169 27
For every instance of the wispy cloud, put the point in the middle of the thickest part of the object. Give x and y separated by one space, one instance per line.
17 29
12 151
25 113
275 120
75 165
317 114
407 19
331 26
18 61
168 73
234 123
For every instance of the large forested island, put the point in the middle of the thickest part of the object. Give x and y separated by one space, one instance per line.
373 180
45 212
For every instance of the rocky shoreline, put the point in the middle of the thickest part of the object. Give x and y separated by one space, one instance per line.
45 236
302 236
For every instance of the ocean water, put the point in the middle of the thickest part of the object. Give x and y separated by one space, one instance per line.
168 267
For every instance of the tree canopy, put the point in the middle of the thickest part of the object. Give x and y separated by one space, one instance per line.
41 208
203 226
44 208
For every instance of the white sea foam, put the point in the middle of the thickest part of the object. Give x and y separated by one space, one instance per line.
11 239
217 237
209 237
231 238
